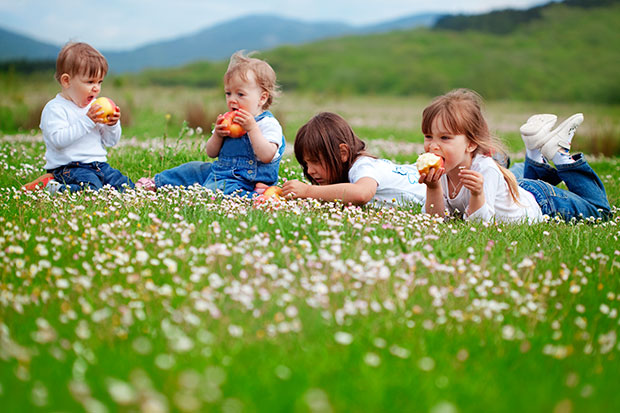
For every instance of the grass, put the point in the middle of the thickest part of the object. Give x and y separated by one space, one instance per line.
185 300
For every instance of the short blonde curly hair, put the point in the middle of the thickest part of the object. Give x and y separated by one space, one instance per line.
241 63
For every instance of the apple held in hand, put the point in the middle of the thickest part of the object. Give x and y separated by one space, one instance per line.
107 105
234 129
428 160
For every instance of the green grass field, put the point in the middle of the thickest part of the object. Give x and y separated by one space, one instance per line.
185 300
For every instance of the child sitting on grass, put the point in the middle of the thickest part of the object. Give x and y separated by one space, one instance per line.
74 133
335 161
247 163
473 184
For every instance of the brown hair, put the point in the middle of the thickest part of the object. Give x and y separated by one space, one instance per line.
461 112
319 141
240 64
80 59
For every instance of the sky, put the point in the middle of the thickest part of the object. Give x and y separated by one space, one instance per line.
127 24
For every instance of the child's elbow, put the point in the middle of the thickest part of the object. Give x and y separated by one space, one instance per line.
362 197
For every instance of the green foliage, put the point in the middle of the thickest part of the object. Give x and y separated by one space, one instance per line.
571 54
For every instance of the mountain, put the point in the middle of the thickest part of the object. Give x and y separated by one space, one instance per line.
257 32
220 41
16 47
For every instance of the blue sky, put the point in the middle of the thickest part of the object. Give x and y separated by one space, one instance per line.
126 24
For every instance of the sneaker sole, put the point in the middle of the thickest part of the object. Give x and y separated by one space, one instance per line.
38 183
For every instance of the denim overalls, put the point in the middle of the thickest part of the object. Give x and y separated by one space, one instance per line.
235 171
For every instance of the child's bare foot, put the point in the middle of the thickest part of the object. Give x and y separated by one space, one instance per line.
148 184
260 188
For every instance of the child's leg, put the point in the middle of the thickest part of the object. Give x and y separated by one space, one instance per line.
114 177
77 176
541 171
186 175
580 179
554 201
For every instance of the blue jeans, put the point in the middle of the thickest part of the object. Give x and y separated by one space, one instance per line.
585 198
76 176
198 172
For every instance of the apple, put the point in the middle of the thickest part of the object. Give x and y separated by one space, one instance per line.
234 129
428 160
107 105
275 191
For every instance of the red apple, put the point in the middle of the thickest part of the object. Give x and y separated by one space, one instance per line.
107 105
234 129
275 191
428 160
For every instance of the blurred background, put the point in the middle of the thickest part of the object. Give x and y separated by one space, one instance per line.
377 64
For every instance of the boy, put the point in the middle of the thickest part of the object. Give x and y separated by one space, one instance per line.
75 134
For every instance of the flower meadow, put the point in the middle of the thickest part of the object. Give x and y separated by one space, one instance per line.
185 300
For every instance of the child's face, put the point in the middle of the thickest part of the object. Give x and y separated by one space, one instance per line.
241 94
456 150
81 89
317 170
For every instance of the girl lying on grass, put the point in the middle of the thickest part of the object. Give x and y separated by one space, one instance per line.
335 161
472 183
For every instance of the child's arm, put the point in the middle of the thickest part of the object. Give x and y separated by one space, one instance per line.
214 143
59 133
359 193
111 131
434 193
263 149
474 181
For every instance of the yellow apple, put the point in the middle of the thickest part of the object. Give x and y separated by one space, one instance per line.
107 105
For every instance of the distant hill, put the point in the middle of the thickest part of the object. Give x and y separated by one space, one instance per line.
568 54
258 32
17 47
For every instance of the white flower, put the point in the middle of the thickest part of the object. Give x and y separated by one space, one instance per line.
343 338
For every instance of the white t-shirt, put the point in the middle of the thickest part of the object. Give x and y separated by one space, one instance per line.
70 135
272 131
396 184
499 204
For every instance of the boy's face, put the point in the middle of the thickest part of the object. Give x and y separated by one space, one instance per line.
81 89
241 94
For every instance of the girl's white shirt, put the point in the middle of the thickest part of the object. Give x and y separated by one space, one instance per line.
499 205
71 136
396 184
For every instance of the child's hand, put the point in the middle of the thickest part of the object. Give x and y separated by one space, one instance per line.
114 118
431 179
245 119
220 130
472 180
295 189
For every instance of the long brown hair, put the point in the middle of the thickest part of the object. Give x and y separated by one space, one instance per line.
461 112
319 141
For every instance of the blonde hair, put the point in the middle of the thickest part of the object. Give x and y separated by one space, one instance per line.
240 64
80 59
460 110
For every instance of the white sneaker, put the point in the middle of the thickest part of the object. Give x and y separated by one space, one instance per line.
535 130
561 136
52 186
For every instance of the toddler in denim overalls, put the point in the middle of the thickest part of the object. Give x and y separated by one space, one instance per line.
246 163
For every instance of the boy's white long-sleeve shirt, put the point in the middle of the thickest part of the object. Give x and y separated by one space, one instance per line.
71 136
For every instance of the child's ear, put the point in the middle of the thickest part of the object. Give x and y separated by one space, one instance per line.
471 146
65 79
263 98
344 152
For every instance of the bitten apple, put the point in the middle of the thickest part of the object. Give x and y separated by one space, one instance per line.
428 160
107 105
234 129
